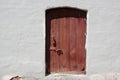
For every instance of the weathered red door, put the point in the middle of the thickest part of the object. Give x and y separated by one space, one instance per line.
65 41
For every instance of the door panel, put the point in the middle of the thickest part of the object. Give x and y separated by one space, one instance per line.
66 43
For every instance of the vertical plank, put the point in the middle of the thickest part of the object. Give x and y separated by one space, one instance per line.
81 45
78 40
83 22
61 57
67 44
64 45
72 36
52 32
56 35
54 62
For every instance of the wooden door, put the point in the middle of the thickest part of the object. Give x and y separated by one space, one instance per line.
65 41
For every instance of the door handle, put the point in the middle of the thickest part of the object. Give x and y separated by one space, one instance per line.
53 46
59 51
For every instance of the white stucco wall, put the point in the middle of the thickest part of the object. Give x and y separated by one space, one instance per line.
22 35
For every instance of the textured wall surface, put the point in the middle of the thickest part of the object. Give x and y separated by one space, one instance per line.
22 35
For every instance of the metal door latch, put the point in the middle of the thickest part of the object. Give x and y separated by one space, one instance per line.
59 51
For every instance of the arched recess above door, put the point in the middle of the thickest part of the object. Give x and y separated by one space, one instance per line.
66 10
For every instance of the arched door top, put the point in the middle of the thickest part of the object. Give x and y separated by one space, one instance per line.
68 12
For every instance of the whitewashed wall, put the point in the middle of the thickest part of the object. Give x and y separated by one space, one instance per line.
22 35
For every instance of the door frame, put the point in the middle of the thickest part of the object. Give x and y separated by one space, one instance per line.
47 36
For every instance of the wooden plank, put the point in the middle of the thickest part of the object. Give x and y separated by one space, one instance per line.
53 55
52 52
56 35
72 36
67 45
64 45
61 57
81 46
